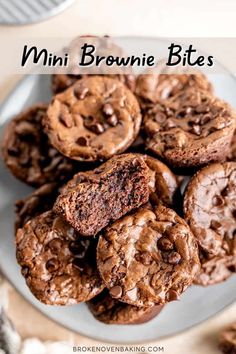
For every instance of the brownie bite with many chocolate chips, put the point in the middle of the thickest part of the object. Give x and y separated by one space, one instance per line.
111 311
28 153
210 210
191 129
93 120
148 257
59 267
91 200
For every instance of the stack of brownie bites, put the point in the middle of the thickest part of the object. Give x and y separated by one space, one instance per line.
110 223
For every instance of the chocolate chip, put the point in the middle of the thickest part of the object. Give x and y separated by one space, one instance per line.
52 265
116 291
165 244
108 109
82 141
66 120
145 258
173 258
81 92
97 128
218 200
100 147
195 130
205 119
172 295
181 113
212 130
76 248
112 120
194 121
215 225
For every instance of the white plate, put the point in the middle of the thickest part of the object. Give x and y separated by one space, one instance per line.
196 305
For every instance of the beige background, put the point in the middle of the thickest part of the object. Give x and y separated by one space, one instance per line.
127 17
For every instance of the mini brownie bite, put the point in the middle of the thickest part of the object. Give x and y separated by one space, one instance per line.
39 201
154 86
28 153
111 311
59 267
93 199
94 119
191 129
148 257
227 340
163 184
215 269
210 208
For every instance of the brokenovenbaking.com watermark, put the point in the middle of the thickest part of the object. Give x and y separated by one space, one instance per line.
119 349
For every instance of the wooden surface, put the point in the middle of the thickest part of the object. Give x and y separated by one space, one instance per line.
30 323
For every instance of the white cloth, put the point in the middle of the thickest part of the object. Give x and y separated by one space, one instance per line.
35 346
